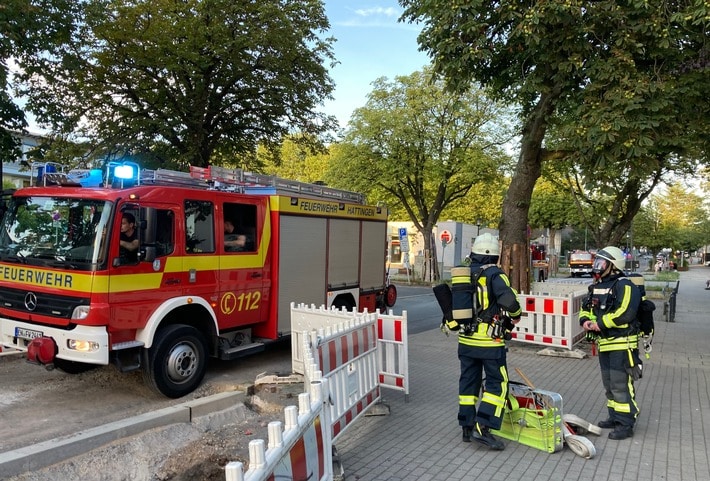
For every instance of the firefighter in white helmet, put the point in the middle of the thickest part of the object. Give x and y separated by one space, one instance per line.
482 345
610 315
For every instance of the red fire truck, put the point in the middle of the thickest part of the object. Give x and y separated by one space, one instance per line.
73 297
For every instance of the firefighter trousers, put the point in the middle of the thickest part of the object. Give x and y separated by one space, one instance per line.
619 386
474 362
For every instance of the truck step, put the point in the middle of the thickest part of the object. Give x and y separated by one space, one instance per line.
241 351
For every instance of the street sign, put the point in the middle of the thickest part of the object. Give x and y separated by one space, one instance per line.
403 240
445 237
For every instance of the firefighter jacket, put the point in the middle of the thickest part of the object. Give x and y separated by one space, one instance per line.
613 304
492 293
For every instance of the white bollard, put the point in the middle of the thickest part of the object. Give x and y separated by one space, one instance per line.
276 439
257 454
234 471
291 417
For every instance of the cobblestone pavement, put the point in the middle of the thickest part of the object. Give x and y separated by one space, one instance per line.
420 439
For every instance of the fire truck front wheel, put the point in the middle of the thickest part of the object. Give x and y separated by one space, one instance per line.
175 365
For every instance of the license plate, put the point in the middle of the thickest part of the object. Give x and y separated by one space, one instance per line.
27 333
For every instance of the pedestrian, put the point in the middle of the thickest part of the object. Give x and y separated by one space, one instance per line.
482 345
610 314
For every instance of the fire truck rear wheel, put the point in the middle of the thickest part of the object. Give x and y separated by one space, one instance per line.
176 363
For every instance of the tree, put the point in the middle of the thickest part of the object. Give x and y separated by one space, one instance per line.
295 160
675 219
27 28
422 148
545 55
190 81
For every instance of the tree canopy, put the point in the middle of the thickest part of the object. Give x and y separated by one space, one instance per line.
421 148
27 28
598 61
191 81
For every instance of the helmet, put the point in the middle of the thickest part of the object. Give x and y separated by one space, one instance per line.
605 259
486 244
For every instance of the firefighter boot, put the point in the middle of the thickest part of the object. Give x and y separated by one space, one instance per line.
482 434
467 431
621 432
607 423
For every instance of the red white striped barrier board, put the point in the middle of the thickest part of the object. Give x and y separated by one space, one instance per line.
306 459
356 352
353 413
309 318
351 373
343 349
393 358
551 321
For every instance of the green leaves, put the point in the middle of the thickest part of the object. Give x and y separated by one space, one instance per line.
422 145
193 81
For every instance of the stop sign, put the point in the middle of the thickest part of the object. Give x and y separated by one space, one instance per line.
445 236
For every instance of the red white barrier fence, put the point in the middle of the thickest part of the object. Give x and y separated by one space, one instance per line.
345 357
393 357
550 320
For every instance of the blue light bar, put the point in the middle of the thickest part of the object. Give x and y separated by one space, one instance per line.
124 172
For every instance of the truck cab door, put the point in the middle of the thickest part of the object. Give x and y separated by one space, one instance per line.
134 283
243 293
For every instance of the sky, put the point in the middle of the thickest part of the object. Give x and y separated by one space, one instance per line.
370 43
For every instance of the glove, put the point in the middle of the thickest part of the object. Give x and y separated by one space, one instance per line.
447 326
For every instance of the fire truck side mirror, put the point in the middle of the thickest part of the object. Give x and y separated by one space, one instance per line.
147 233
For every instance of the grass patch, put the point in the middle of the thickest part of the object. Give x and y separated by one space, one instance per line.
664 277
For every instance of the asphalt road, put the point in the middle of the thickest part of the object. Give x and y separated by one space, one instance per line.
38 405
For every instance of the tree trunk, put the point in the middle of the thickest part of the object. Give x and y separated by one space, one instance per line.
431 265
515 252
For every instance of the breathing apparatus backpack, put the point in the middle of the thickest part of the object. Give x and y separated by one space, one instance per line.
462 296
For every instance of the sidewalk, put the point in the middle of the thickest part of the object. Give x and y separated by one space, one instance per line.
421 439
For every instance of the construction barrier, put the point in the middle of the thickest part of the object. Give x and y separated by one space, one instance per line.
301 450
393 357
345 358
551 321
307 319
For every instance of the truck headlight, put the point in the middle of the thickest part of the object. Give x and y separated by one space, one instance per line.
82 346
80 312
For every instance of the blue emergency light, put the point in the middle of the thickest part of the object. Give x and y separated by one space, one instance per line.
124 172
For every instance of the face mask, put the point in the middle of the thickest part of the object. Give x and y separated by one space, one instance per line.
599 267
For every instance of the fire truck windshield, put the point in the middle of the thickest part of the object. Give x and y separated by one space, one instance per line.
55 232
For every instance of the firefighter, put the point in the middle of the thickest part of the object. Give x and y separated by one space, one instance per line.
610 314
482 345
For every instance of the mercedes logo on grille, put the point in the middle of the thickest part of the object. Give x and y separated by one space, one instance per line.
31 301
